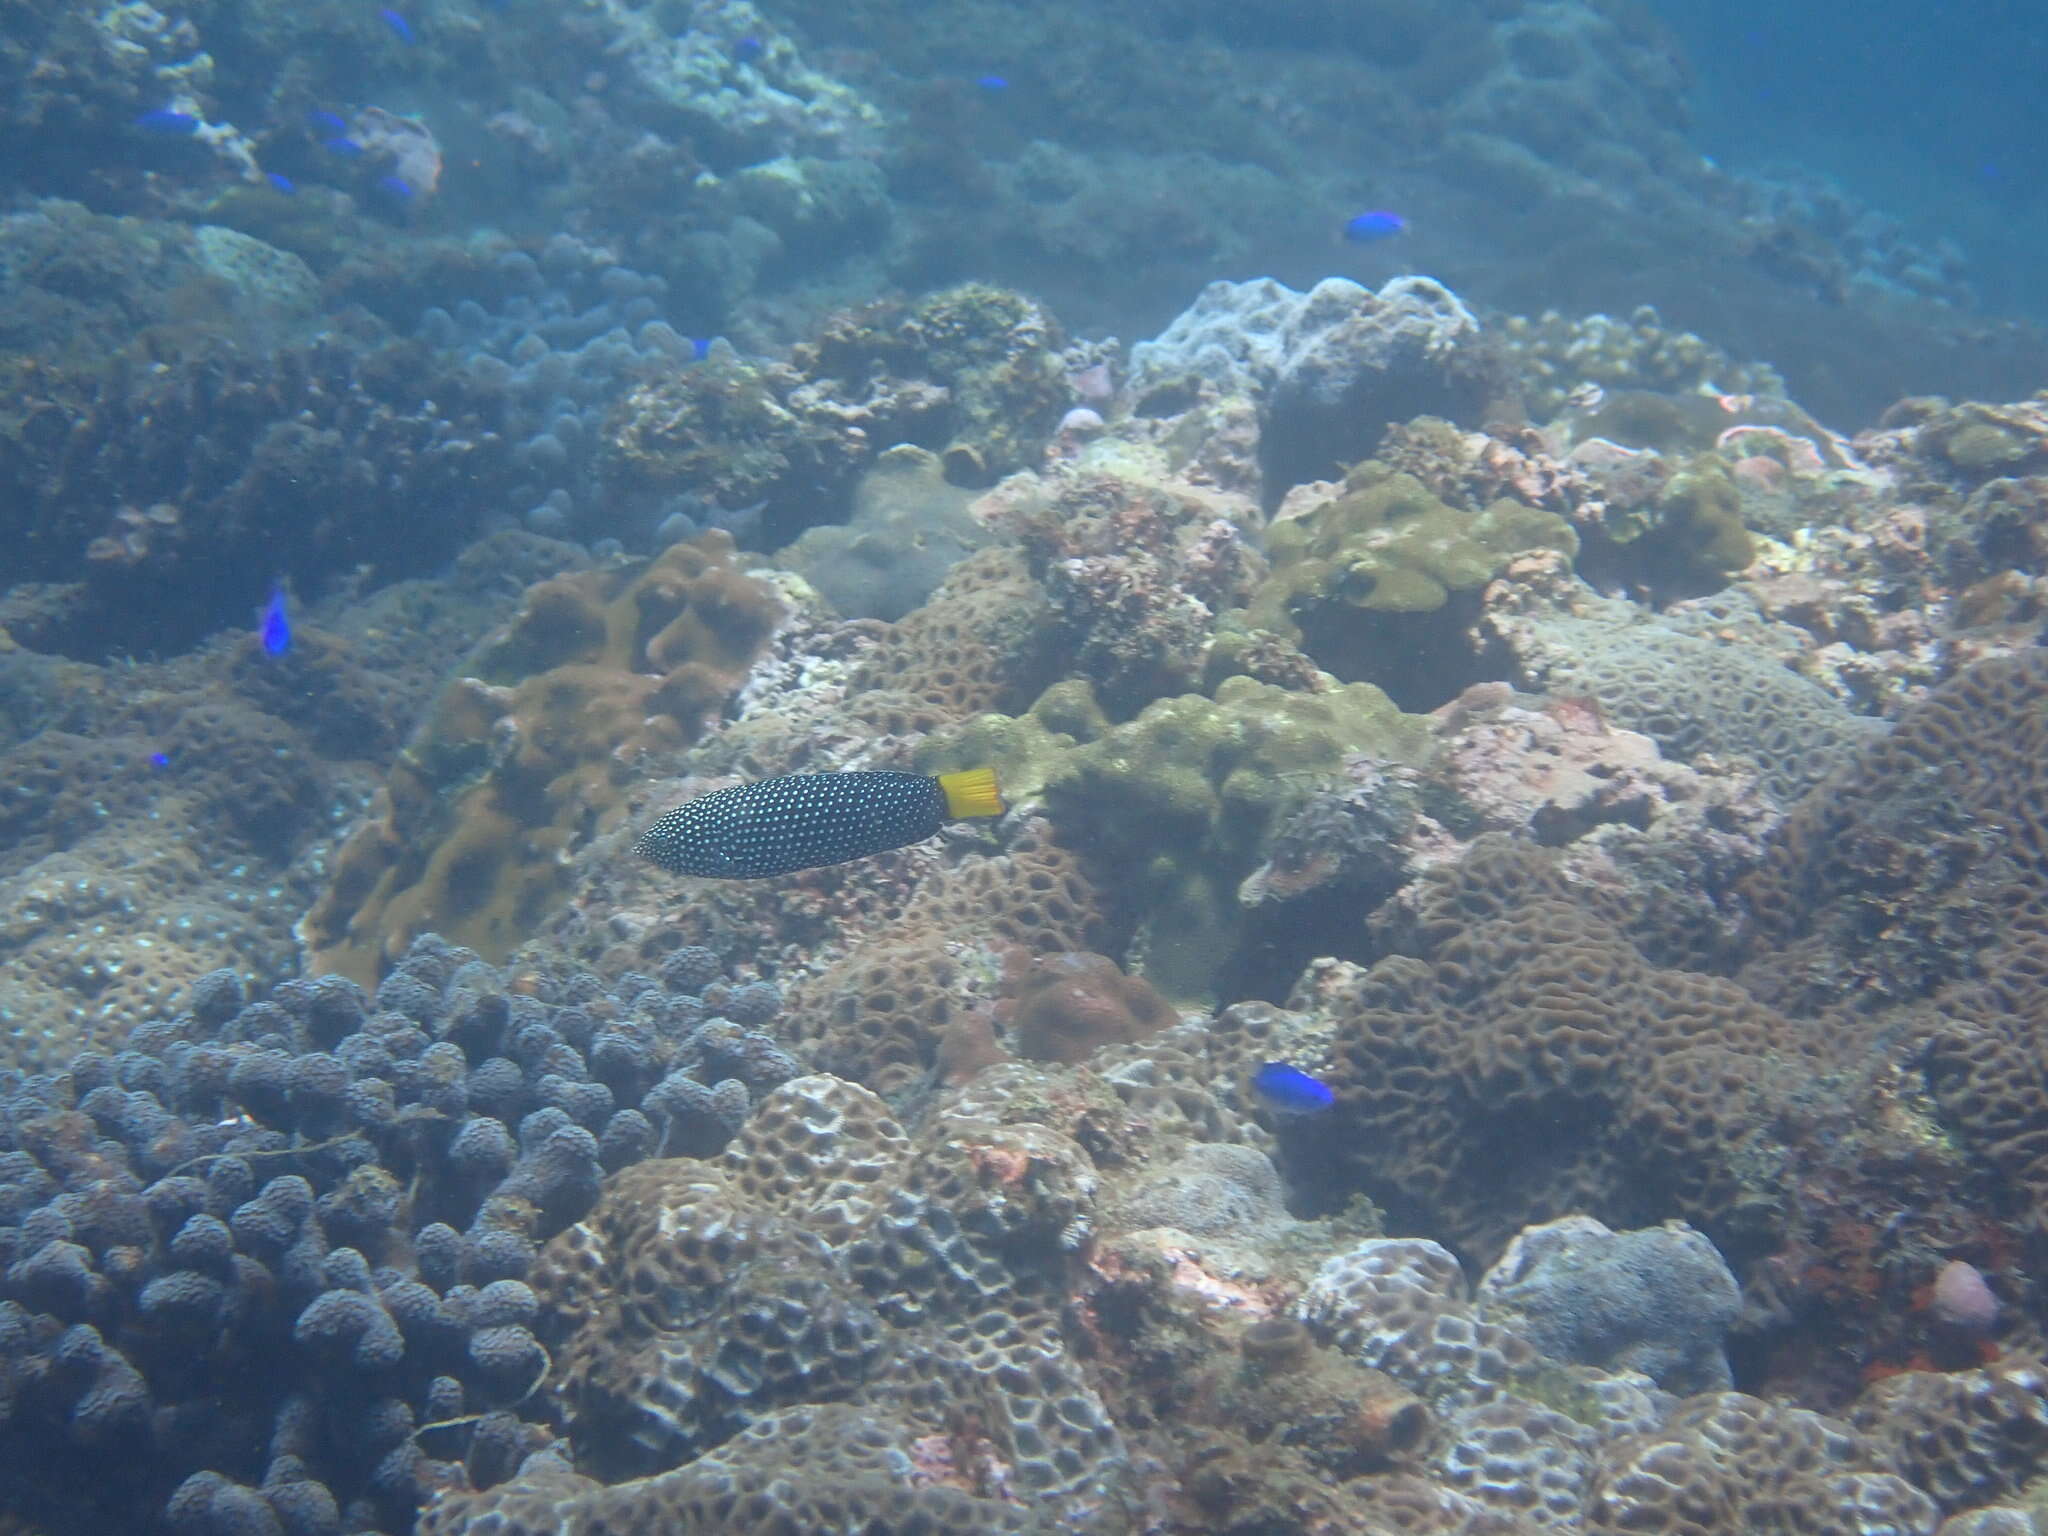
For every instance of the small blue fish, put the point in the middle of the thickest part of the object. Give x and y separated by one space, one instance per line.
748 49
326 122
1290 1090
346 147
700 348
395 187
275 628
1374 225
159 759
168 121
282 182
400 27
992 82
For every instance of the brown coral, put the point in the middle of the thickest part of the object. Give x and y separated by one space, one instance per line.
826 1256
978 644
525 756
1529 1062
1065 1007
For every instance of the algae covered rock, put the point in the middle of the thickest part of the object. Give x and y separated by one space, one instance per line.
1380 582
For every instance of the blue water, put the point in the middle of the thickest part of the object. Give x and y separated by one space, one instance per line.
1931 112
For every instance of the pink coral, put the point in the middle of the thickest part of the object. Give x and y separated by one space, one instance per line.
1962 1301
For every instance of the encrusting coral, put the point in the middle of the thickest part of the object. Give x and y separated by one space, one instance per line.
525 755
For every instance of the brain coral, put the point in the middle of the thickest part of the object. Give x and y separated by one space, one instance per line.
1727 1462
1527 1062
828 1255
1946 813
1694 696
522 757
1924 873
980 642
806 1469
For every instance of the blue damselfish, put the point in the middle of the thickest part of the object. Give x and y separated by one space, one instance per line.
168 121
274 629
1291 1090
1373 225
808 820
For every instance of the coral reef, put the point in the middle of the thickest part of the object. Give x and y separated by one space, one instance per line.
168 818
1329 369
1699 920
152 491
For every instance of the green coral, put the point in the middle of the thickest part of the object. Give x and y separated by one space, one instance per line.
1687 542
1181 799
1179 802
1386 572
1026 750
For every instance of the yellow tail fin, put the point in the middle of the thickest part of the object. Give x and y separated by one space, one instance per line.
972 792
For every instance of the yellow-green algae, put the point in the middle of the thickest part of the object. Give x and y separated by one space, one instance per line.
1375 571
1179 800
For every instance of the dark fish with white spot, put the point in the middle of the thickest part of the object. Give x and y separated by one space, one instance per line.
810 820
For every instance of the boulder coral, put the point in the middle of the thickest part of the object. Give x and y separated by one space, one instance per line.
1379 580
1181 800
